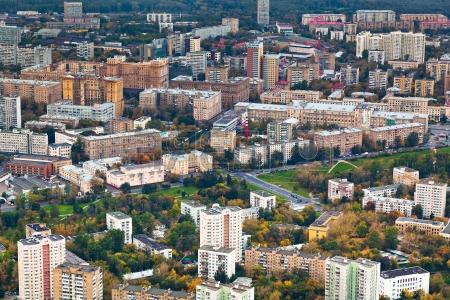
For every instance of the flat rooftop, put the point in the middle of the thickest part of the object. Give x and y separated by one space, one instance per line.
402 272
325 217
420 221
119 215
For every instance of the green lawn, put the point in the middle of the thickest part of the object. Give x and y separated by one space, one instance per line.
64 209
339 168
285 179
176 191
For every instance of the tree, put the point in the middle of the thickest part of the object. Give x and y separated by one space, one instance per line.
417 210
374 240
362 229
54 211
391 238
125 187
412 139
397 142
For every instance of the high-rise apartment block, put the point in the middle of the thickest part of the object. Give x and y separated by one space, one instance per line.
404 84
304 71
438 68
394 282
193 209
270 70
120 221
77 281
431 195
197 62
10 113
374 16
255 52
378 79
349 75
10 35
424 88
347 279
217 73
397 45
212 260
38 257
263 12
222 227
85 50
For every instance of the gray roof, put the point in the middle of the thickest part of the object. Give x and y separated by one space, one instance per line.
402 272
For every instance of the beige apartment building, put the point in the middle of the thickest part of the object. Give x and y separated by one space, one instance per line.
184 164
414 105
384 118
404 84
339 188
423 17
142 75
217 73
24 142
90 89
405 176
427 227
274 260
122 144
389 134
270 70
207 106
345 139
31 90
127 292
278 96
305 71
438 69
136 175
121 124
424 88
223 139
71 281
38 257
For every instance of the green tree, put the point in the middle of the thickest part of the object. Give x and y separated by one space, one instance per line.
125 187
54 211
391 238
374 240
362 229
417 210
412 140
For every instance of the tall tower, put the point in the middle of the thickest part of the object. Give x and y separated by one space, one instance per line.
254 59
270 70
263 12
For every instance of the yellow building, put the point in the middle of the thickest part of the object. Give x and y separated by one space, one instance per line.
270 70
91 89
424 88
404 84
320 227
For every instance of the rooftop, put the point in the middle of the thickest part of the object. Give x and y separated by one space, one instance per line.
38 227
326 217
118 135
35 240
149 242
119 215
398 126
190 93
402 272
216 249
420 221
193 203
337 132
262 193
429 181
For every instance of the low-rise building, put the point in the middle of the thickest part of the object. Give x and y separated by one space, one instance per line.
320 227
278 260
404 225
381 191
37 229
120 221
345 139
263 200
126 291
216 259
339 188
60 150
146 243
405 176
394 282
389 204
184 164
36 165
99 112
240 289
78 176
136 175
396 135
141 123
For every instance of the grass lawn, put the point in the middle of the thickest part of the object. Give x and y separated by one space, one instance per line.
64 209
176 191
339 168
285 179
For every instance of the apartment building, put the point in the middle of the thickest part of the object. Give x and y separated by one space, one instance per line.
193 209
279 260
184 164
60 150
304 71
308 18
427 227
281 132
339 188
121 124
263 12
255 50
414 105
396 133
141 123
279 96
36 165
25 56
377 56
381 191
438 68
23 141
85 50
424 17
73 281
217 73
222 227
344 139
320 227
122 144
38 257
139 76
349 75
98 112
136 175
126 292
10 113
206 108
366 15
396 45
263 200
383 118
270 70
240 289
216 259
431 195
424 88
378 79
197 62
394 282
89 90
31 90
10 35
388 204
149 245
120 221
347 279
405 176
37 229
222 140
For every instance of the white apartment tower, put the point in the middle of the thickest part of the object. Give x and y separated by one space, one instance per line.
412 279
10 113
347 279
431 195
222 227
213 259
263 12
120 221
263 199
38 257
193 209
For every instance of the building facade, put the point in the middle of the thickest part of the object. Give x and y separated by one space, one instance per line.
431 195
120 221
394 282
71 281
